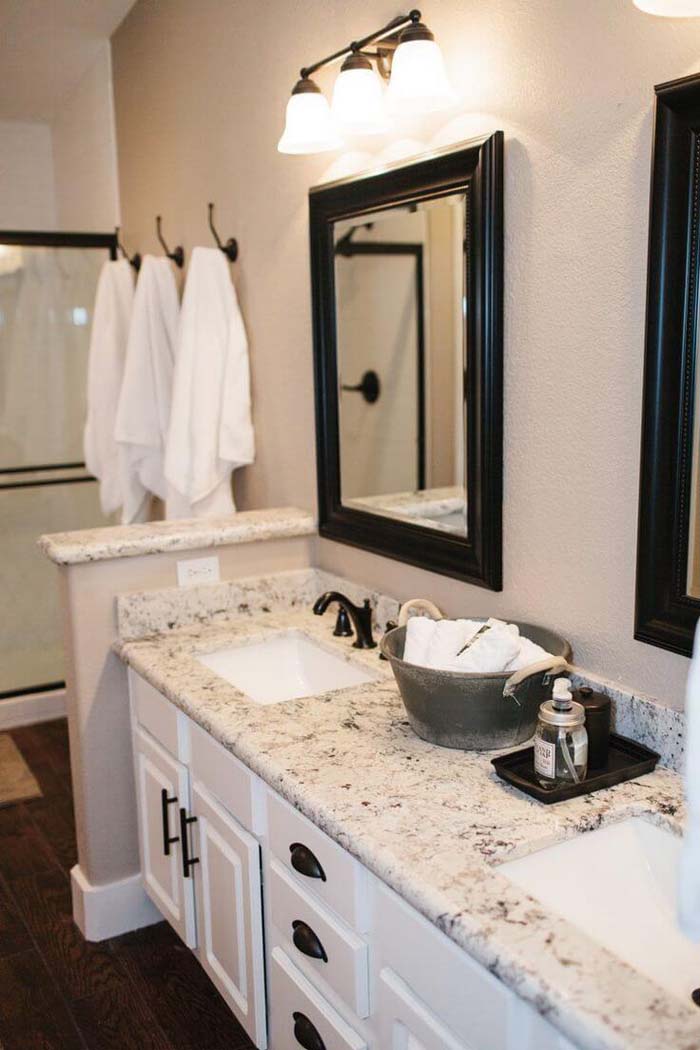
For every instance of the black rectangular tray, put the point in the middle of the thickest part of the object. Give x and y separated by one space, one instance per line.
626 760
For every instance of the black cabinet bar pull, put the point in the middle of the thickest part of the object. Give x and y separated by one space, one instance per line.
305 863
187 861
168 839
306 1034
307 941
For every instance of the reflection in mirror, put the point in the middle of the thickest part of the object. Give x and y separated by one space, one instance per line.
400 305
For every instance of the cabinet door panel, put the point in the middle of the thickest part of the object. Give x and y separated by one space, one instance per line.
406 1023
229 911
157 771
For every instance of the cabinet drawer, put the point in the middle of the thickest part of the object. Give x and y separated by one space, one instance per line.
469 1001
304 923
154 713
294 840
406 1022
295 1004
225 777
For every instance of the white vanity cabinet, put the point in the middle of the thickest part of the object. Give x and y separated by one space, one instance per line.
200 865
348 964
229 910
162 786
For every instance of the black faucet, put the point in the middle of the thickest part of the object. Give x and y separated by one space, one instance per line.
360 616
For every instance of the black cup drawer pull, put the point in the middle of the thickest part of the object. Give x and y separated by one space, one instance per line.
168 839
306 1034
187 861
307 941
305 863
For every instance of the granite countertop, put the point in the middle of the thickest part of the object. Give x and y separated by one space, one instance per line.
432 824
157 537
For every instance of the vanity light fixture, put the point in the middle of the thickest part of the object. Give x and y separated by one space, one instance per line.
358 97
419 81
405 53
670 8
309 127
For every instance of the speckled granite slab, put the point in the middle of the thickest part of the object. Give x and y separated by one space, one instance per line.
157 537
642 718
432 823
142 613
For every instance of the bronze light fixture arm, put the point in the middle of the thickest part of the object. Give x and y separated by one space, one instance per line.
413 17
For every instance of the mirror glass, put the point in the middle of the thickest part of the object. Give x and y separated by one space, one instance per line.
400 301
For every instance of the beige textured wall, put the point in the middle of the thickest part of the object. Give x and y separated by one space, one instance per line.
200 92
84 151
27 200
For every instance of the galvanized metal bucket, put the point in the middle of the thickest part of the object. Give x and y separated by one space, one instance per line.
476 712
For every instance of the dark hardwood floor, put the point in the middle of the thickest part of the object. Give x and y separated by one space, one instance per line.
140 991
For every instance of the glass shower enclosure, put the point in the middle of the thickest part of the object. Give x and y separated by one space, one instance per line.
47 291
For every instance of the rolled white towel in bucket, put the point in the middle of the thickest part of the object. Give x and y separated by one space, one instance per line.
491 652
450 636
530 653
419 635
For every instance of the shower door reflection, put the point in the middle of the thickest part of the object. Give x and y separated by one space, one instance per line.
47 291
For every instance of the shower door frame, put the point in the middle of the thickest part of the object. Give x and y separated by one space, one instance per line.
49 239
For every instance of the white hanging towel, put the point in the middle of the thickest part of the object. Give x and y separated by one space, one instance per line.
689 881
211 431
143 414
111 318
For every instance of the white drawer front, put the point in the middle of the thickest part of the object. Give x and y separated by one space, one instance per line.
293 839
469 1001
405 1023
295 1003
224 776
154 713
306 925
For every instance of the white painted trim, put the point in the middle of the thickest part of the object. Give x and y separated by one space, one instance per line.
106 911
31 709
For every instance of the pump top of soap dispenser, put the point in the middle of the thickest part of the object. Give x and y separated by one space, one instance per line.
562 709
561 694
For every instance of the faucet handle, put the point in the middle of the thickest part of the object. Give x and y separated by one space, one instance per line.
343 627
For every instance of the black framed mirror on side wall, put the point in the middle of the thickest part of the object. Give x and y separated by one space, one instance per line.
668 548
407 281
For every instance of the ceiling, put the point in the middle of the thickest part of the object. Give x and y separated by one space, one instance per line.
45 48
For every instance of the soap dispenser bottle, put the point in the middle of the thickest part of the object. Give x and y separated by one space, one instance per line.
561 741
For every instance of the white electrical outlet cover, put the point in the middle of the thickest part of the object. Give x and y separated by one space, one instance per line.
198 570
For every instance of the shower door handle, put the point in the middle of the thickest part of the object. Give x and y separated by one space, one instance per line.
369 386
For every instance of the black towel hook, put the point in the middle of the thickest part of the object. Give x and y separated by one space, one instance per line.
178 255
135 259
230 249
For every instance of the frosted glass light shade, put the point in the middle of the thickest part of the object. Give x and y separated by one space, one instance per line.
419 81
358 101
670 8
309 127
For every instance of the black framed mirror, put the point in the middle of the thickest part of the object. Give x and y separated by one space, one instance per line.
407 283
668 548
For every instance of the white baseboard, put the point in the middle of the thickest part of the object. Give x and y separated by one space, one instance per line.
29 710
106 911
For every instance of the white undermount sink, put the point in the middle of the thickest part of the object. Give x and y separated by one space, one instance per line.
284 667
618 885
